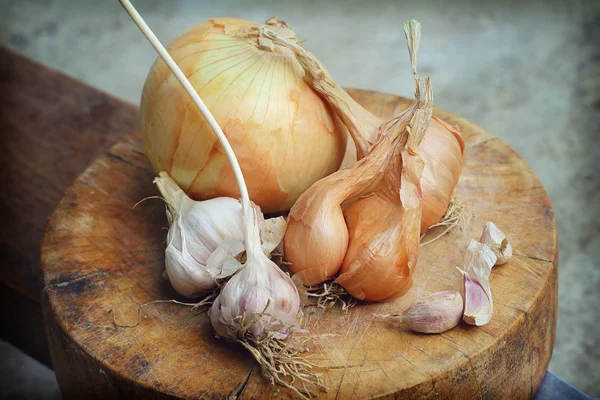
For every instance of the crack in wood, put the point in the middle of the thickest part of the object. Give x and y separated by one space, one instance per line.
470 361
237 394
533 257
118 157
511 307
66 283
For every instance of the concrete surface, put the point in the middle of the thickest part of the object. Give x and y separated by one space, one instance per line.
529 71
21 377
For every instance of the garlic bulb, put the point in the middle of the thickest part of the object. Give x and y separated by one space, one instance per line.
282 132
206 237
479 306
202 224
497 241
260 301
383 226
260 274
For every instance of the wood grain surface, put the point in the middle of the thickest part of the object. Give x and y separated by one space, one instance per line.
99 255
52 127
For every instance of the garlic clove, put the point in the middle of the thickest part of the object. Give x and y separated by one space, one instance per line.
435 313
479 306
188 277
479 309
496 240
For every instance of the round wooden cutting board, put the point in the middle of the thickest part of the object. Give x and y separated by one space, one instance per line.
99 255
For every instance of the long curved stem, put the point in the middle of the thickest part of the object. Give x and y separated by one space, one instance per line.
187 86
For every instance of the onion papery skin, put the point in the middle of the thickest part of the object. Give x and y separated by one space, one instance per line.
283 134
442 151
383 246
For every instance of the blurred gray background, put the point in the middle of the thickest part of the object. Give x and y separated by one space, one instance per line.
528 71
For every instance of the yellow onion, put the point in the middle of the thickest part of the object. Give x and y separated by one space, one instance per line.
442 148
282 132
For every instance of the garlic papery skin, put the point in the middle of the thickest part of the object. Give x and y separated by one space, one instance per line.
260 301
496 240
188 277
435 313
479 306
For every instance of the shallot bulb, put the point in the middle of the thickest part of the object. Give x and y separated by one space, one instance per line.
442 148
374 242
383 227
282 132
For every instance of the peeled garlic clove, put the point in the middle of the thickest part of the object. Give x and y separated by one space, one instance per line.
496 240
479 306
435 313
